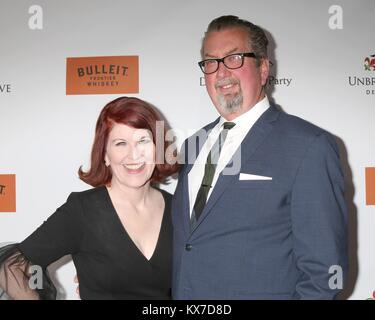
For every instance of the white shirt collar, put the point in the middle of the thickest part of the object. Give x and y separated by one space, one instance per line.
247 119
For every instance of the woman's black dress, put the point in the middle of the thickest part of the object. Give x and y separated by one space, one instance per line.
109 265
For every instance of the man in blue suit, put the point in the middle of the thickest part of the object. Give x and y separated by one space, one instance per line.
259 209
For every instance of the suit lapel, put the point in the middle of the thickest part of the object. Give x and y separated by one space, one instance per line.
194 145
249 145
185 203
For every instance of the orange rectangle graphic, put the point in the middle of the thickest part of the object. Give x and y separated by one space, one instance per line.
370 186
102 75
7 193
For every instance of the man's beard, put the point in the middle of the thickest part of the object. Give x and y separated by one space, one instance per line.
231 105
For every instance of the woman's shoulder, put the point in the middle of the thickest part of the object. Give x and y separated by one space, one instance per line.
87 197
86 202
167 196
91 191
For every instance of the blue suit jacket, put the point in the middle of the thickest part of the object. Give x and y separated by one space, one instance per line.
266 239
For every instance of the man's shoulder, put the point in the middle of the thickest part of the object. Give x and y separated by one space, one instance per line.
294 130
294 125
205 130
192 144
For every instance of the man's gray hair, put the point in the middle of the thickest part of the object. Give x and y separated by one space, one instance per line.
257 38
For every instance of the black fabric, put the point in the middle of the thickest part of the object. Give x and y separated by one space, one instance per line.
109 265
15 276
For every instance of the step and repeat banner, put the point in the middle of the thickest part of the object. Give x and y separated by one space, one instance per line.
62 61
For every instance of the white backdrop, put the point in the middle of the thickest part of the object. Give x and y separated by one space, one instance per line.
46 135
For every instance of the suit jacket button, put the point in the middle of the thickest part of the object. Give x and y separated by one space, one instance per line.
188 247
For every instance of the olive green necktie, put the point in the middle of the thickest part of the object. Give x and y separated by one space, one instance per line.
209 172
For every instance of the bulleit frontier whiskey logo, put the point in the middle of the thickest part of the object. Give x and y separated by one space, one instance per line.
102 75
7 193
366 80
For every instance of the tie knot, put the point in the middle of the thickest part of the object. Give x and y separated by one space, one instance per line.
229 125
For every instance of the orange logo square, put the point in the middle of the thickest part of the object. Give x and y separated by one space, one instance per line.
102 75
370 186
7 193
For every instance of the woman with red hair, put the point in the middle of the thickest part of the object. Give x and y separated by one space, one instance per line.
119 233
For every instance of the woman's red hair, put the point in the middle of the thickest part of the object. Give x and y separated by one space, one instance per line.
135 113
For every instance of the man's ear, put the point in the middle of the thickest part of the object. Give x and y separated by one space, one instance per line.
264 70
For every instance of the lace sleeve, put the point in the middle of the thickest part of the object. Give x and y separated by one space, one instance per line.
20 279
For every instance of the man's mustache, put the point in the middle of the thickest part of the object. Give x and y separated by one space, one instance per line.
225 82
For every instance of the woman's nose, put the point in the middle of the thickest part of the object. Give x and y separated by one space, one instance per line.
136 152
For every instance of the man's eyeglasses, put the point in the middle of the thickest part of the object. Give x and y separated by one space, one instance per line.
232 61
